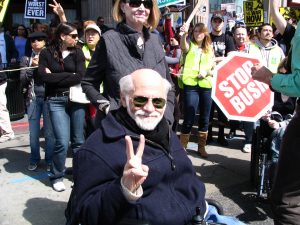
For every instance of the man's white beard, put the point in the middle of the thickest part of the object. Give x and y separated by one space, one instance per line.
148 123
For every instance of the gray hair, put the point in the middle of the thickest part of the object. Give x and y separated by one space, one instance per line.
127 86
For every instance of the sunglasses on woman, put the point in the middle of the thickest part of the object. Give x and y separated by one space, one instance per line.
148 4
74 36
141 101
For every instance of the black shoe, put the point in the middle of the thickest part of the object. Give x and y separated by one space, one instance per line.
231 135
222 141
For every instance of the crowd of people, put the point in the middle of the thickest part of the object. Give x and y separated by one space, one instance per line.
104 92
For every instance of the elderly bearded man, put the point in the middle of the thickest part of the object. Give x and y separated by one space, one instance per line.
133 167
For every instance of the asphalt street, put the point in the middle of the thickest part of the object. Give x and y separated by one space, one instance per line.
27 197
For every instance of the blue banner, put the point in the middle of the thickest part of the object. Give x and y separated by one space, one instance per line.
35 9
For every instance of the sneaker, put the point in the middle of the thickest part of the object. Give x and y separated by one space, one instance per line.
32 166
58 186
6 137
247 148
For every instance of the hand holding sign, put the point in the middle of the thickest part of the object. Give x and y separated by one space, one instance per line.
191 17
135 173
261 73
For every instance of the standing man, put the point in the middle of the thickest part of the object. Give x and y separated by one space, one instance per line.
8 54
222 45
6 132
101 25
270 55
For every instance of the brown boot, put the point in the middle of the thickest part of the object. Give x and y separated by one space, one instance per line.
184 140
201 144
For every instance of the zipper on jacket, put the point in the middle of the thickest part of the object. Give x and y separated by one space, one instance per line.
169 156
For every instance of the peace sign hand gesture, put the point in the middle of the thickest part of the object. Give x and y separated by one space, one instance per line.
135 173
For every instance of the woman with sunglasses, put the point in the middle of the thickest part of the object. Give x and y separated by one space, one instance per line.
129 47
62 65
36 104
197 83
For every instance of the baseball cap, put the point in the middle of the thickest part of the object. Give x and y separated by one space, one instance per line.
217 16
93 27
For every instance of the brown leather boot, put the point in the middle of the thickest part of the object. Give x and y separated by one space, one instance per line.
184 140
202 137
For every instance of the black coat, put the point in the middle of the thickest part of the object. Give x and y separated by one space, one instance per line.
170 195
117 55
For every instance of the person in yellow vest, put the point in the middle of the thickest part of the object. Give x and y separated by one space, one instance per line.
92 35
197 83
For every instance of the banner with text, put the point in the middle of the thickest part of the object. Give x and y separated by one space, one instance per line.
253 13
3 7
164 3
35 9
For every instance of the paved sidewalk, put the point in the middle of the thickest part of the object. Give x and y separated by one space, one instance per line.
27 197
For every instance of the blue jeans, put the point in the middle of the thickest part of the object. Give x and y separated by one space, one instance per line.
195 96
214 216
35 110
67 120
249 128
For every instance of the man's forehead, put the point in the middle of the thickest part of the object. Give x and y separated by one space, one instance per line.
148 89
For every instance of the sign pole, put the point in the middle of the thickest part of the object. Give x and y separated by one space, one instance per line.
191 17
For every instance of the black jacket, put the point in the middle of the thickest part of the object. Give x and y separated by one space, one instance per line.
11 53
62 76
170 195
117 55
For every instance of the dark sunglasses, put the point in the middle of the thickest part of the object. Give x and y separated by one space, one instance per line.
148 4
140 101
74 36
37 39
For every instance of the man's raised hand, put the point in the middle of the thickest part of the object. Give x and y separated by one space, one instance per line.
135 173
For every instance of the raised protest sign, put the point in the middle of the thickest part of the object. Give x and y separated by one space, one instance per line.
35 9
253 13
164 3
236 93
3 7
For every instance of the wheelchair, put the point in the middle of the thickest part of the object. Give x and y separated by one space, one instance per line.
262 167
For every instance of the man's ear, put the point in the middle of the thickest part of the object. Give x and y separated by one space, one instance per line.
123 100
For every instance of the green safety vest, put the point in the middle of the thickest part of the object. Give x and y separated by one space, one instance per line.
195 61
87 54
274 56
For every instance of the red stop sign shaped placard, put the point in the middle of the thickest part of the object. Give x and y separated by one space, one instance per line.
236 93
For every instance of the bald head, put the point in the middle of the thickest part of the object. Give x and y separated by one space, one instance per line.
144 79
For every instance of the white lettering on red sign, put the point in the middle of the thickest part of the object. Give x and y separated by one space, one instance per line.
235 90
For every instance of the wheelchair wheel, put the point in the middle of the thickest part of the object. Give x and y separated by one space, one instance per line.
217 205
255 152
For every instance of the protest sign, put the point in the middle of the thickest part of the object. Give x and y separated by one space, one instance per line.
3 8
35 9
253 13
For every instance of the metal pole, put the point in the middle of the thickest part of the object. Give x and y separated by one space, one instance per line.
266 11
